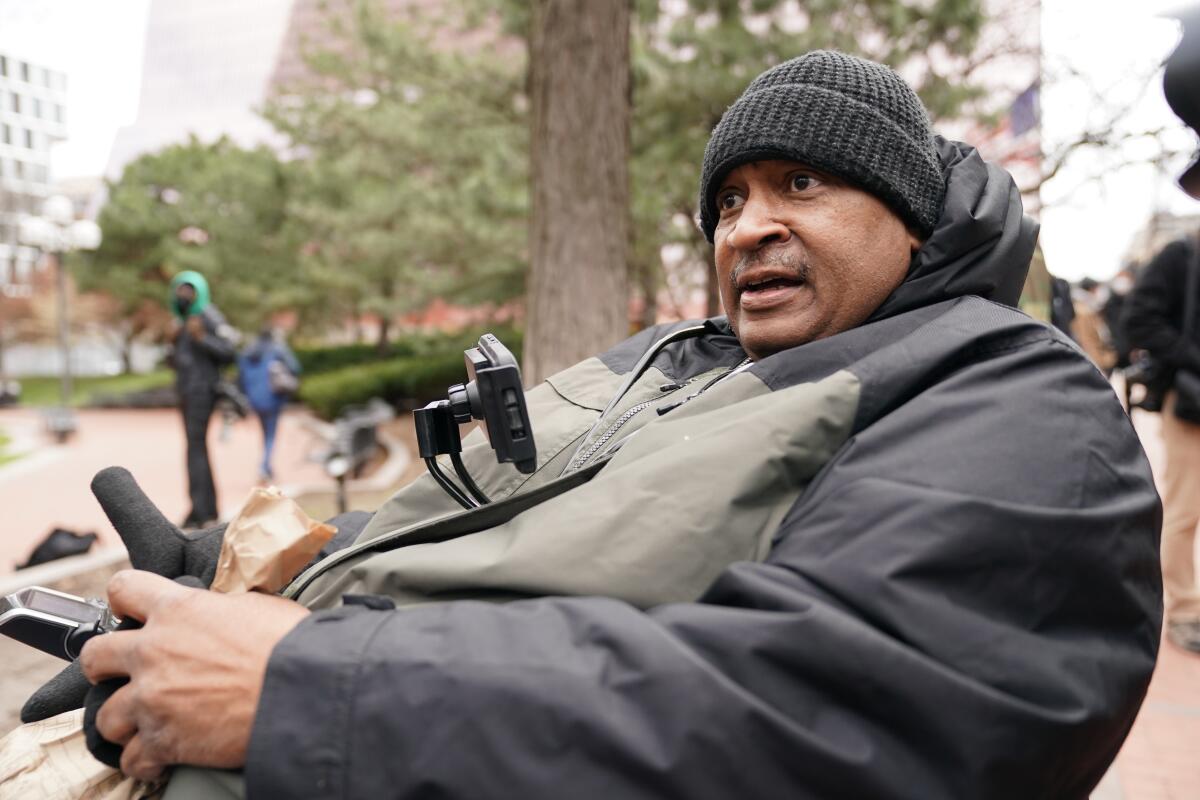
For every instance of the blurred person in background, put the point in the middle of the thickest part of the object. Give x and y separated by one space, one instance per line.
1088 328
1156 320
202 344
267 373
1113 312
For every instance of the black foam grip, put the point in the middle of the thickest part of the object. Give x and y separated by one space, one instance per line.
201 552
64 692
154 544
105 751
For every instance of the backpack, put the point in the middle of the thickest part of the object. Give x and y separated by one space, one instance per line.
281 379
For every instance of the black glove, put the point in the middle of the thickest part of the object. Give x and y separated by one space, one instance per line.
104 750
154 545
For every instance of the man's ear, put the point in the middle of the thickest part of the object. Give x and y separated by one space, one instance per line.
915 242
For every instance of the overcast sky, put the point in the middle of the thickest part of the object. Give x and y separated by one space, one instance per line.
98 43
1086 225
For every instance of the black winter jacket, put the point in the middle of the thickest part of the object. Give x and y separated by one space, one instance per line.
1154 313
947 588
198 361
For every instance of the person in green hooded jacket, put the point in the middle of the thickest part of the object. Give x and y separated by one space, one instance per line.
203 343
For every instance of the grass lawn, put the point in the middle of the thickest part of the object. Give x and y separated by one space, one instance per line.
45 391
5 455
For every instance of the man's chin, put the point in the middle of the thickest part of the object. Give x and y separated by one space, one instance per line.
762 338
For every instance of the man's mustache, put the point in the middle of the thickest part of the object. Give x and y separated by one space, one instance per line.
771 257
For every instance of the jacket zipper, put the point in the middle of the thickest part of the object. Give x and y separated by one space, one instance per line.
591 450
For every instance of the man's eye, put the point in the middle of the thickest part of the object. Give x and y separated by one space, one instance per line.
729 200
800 182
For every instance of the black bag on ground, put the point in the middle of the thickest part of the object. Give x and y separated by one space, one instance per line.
59 543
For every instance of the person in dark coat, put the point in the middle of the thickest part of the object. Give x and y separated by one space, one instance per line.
203 344
1114 315
263 368
873 534
1155 321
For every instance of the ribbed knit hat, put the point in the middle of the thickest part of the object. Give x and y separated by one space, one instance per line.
852 118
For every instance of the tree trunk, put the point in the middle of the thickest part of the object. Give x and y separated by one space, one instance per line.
385 324
579 86
648 284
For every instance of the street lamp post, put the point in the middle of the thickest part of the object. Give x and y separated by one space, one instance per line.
57 232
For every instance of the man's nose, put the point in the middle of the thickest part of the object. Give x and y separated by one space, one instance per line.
757 225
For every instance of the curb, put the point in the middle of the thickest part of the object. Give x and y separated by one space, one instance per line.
60 569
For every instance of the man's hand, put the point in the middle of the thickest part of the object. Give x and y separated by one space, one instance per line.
195 326
196 671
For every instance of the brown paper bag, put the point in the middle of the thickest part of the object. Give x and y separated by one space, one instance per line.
267 544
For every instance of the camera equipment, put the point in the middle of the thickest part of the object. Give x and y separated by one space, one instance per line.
492 394
1181 85
54 622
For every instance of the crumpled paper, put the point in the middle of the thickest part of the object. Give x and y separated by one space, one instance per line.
267 544
49 760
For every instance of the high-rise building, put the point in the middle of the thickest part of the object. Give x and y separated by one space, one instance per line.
32 117
206 69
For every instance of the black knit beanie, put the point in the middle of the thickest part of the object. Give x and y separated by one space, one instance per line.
852 118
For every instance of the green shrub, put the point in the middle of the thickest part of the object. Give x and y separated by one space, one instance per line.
407 382
318 360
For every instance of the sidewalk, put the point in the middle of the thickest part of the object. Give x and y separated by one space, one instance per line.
1159 760
49 486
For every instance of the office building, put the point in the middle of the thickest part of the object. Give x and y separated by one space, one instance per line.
32 117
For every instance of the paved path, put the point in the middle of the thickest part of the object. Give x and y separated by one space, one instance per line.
49 487
1161 759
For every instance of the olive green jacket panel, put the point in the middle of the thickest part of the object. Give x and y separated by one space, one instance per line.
561 411
696 490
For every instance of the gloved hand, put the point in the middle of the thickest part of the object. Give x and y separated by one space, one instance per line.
105 751
158 546
154 545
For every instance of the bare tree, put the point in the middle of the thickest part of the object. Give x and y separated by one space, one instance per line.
579 86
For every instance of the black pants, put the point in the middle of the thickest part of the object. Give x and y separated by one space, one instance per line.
197 411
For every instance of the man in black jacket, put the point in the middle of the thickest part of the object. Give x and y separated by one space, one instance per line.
203 344
874 534
1155 321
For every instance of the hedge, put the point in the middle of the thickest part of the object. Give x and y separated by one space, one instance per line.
407 382
317 360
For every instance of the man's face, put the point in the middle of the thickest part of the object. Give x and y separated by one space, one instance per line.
186 293
801 255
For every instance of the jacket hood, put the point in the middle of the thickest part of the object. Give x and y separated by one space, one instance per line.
982 242
197 281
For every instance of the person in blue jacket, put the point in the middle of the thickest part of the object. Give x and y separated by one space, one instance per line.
267 372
